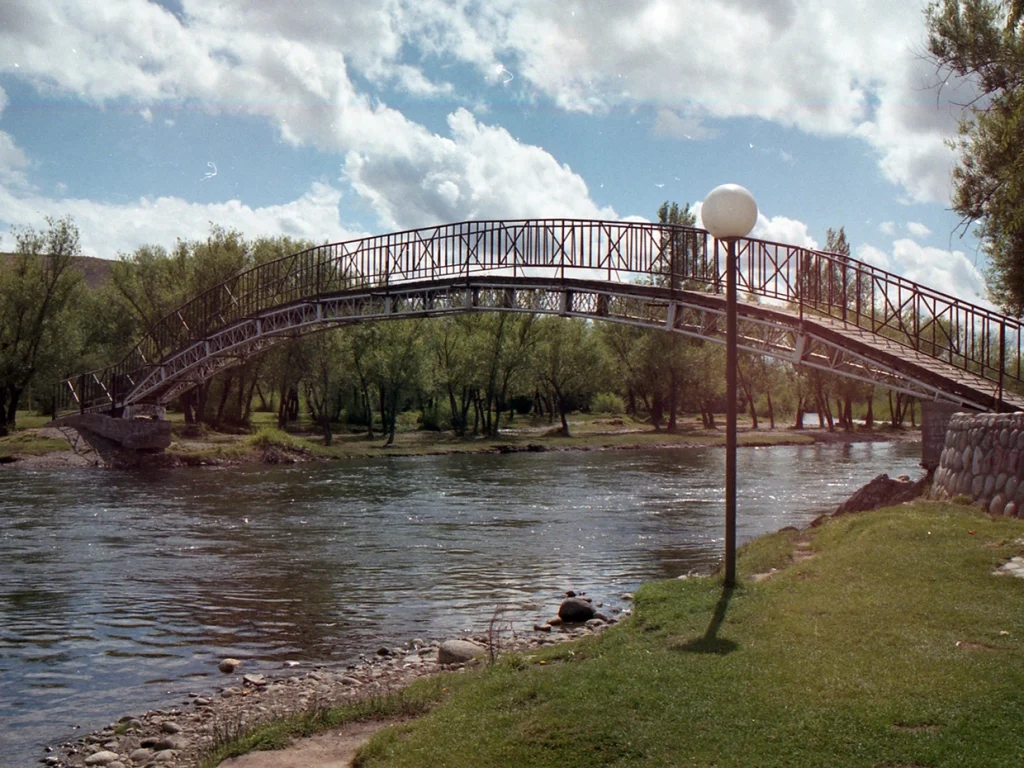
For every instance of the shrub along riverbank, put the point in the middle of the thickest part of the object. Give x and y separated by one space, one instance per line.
881 639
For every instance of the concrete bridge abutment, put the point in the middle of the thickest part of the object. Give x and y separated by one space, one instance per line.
119 442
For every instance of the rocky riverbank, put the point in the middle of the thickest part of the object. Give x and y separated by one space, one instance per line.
179 737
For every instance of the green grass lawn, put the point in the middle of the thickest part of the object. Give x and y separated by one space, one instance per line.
893 646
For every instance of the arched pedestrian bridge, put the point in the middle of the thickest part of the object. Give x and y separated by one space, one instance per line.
808 307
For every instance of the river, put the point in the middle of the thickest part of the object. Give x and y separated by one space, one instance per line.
121 591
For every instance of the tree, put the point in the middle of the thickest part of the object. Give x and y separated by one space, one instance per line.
566 361
395 362
680 249
454 373
322 382
982 41
37 293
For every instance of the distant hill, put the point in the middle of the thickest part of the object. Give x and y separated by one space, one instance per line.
95 271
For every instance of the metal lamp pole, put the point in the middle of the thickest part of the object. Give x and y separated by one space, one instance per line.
729 212
731 363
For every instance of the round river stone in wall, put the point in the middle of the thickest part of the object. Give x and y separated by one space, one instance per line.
990 486
998 505
977 485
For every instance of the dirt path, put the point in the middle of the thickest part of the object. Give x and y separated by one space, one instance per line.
334 749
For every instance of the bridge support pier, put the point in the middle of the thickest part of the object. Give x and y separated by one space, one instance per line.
122 442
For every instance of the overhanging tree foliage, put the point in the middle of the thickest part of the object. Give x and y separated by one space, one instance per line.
981 41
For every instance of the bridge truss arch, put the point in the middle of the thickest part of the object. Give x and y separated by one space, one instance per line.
806 307
765 331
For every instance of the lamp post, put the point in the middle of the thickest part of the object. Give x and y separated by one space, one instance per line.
729 212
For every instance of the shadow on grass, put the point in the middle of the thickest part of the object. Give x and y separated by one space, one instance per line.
711 642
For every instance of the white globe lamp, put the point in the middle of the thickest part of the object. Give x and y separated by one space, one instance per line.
728 212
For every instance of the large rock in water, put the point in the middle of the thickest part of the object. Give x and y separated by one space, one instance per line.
459 651
883 491
576 610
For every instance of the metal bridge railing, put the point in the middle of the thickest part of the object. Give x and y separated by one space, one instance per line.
965 335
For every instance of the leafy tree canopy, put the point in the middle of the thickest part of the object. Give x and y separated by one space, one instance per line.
981 41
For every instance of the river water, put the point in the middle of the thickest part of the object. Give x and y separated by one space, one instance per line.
120 591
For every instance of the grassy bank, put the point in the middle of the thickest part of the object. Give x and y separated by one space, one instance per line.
892 645
29 443
301 442
591 434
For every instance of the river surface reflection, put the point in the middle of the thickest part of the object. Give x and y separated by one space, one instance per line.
120 592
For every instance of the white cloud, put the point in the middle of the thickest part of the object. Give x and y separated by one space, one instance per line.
780 229
481 172
949 272
777 229
109 228
731 59
13 160
887 227
694 62
147 114
917 229
687 125
264 60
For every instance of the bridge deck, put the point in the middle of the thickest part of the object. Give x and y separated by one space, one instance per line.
901 357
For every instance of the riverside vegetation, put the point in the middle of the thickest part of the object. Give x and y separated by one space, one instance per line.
887 638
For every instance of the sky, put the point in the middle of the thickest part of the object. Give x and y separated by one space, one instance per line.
147 121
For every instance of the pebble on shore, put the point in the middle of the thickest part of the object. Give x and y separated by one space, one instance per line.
179 737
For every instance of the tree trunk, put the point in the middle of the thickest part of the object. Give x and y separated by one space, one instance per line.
293 404
458 421
750 406
825 412
656 411
224 394
771 409
264 406
282 410
9 414
392 415
325 425
202 393
869 417
672 386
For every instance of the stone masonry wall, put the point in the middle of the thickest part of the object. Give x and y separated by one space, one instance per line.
984 458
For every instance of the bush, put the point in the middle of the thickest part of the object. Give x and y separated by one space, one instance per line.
269 437
608 402
435 419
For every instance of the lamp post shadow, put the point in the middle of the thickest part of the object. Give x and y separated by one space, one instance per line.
711 642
